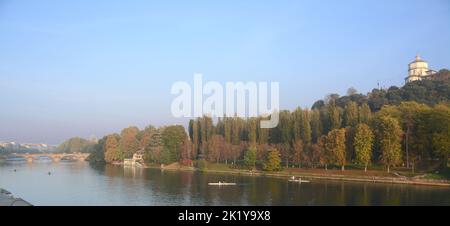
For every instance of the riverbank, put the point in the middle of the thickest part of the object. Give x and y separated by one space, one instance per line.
7 199
374 176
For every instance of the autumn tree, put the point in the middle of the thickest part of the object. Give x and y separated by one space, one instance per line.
319 152
273 160
129 143
215 148
112 149
186 152
335 145
144 136
363 144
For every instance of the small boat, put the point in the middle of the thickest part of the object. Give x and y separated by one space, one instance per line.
221 184
299 180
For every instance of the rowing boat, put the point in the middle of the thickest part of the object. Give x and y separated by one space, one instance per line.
221 184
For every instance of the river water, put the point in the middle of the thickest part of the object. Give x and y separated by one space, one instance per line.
79 183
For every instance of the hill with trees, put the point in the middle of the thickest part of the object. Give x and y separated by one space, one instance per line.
407 126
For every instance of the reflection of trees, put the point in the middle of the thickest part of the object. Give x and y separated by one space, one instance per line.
156 187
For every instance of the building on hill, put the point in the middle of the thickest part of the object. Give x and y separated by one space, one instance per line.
418 70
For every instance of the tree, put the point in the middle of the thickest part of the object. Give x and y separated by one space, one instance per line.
145 136
273 160
364 113
351 114
152 152
440 124
319 153
250 157
98 154
335 145
215 148
298 151
75 144
172 137
186 152
112 150
129 143
389 136
363 144
316 125
252 131
306 128
334 115
195 138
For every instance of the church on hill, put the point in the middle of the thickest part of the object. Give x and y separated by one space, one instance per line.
418 70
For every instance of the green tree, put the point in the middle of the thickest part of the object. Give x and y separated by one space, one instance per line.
273 160
440 124
195 138
389 136
363 144
364 113
351 114
252 133
306 128
298 151
334 116
316 125
250 157
98 154
173 138
153 149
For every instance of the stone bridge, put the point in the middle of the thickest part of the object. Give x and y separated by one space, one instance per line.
56 157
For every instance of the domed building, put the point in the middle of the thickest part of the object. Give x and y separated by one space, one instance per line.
418 70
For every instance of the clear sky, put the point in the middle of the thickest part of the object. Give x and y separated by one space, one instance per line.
77 68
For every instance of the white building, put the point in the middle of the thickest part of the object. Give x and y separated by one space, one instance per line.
418 70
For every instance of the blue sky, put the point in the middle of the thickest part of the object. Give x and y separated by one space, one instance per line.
77 68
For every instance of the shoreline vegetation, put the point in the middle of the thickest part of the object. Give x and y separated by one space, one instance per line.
375 176
395 135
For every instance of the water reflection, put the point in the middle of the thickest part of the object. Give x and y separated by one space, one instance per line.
79 183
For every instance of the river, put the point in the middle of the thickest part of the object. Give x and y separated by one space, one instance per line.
79 183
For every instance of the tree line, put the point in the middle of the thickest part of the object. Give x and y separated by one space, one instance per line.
336 132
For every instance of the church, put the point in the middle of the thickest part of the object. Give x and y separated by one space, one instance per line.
418 70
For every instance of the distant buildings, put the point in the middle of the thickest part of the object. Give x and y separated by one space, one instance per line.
14 146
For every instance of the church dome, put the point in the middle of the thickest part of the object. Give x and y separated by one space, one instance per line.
417 59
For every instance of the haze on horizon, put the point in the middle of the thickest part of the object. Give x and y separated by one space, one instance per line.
77 68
